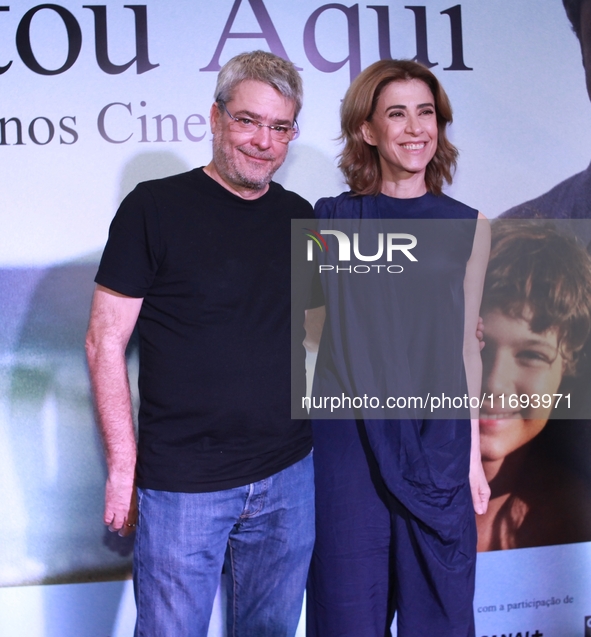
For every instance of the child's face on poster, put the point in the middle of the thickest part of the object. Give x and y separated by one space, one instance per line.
516 362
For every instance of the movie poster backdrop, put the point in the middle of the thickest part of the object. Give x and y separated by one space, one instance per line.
96 98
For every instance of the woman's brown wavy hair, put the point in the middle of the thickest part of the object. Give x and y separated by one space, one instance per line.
359 161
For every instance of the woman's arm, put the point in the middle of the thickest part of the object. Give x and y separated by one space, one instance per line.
473 285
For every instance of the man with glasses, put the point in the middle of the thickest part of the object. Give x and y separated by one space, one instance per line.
201 261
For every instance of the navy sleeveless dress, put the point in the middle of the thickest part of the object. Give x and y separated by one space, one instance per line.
395 526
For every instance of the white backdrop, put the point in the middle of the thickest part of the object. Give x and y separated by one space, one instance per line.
521 121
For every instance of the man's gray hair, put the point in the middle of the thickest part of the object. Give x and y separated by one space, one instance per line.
573 11
260 66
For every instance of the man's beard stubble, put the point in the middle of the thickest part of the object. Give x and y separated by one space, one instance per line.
232 172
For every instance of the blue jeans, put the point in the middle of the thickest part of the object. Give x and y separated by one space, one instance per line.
262 532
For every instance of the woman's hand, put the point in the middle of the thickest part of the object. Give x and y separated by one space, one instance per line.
478 485
480 333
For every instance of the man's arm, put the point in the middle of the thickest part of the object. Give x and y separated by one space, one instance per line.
112 319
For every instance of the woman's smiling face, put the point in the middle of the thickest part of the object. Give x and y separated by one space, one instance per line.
520 362
403 128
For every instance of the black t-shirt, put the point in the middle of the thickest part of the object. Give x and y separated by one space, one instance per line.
214 272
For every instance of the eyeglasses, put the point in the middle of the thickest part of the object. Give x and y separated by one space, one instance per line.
249 126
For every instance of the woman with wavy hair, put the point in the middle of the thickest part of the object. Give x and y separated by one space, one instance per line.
396 496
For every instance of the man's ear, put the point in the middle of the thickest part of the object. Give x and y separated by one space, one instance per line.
214 116
367 133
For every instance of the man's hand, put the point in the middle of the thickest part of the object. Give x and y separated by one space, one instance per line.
120 505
